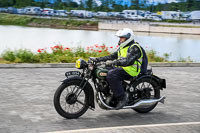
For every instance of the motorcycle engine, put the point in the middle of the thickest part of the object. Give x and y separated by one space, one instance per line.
103 87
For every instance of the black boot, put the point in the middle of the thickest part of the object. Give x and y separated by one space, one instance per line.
121 101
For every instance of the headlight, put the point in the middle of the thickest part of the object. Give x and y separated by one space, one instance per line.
80 64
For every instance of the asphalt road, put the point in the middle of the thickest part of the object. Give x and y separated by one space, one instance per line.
26 105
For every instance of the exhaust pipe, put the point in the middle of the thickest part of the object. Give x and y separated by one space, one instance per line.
139 104
145 103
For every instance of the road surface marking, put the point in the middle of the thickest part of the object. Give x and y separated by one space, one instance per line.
129 127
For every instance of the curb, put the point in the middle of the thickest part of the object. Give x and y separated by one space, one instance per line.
72 65
38 65
177 64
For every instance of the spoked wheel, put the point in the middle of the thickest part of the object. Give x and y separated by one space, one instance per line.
147 89
70 100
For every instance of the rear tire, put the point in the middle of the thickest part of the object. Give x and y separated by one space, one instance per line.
64 110
148 83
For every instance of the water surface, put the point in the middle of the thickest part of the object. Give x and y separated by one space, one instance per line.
17 37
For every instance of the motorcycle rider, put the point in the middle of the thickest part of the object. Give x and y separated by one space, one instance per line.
126 61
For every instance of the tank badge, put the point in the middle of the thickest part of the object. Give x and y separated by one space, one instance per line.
103 74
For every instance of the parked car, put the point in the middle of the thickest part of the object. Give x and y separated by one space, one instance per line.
102 14
61 13
130 12
135 17
170 15
153 17
12 10
195 16
112 14
48 12
20 11
3 10
81 13
32 10
121 15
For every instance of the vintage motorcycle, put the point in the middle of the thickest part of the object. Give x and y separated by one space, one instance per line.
75 95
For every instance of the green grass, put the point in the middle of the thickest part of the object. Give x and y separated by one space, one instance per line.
23 20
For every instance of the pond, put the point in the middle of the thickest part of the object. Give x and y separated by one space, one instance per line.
177 45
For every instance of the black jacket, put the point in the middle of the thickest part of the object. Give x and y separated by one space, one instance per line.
133 55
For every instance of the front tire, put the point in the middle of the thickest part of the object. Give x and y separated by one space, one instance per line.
148 83
66 102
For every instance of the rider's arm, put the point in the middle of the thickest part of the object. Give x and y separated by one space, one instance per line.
132 55
109 57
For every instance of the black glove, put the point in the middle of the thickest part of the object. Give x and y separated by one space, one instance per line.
110 63
94 59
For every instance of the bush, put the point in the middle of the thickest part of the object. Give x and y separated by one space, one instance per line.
60 54
188 59
152 56
9 56
24 55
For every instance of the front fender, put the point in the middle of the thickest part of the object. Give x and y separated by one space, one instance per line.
161 82
89 89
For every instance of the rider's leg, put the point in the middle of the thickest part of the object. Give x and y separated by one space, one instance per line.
115 77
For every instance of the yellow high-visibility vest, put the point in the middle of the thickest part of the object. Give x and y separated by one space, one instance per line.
134 69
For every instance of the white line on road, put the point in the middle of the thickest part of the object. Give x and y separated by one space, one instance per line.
129 127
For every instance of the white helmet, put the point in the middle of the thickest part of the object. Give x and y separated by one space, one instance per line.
127 33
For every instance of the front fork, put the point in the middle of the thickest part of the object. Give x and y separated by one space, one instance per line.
77 92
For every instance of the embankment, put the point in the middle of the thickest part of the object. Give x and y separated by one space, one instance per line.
23 20
151 27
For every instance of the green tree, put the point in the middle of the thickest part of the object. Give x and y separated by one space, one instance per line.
135 4
89 4
173 7
190 4
6 3
58 4
23 3
118 8
105 6
73 4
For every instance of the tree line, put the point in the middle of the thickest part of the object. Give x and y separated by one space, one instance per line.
107 5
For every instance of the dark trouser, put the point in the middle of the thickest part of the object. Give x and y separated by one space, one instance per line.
115 77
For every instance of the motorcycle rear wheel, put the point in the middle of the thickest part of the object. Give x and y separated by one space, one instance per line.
66 102
148 83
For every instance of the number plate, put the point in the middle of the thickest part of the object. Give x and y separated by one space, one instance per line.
72 73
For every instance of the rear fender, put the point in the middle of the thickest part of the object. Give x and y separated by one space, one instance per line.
89 89
161 82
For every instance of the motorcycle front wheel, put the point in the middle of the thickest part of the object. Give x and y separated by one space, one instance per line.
70 101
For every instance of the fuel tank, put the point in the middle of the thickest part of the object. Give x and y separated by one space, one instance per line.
101 73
